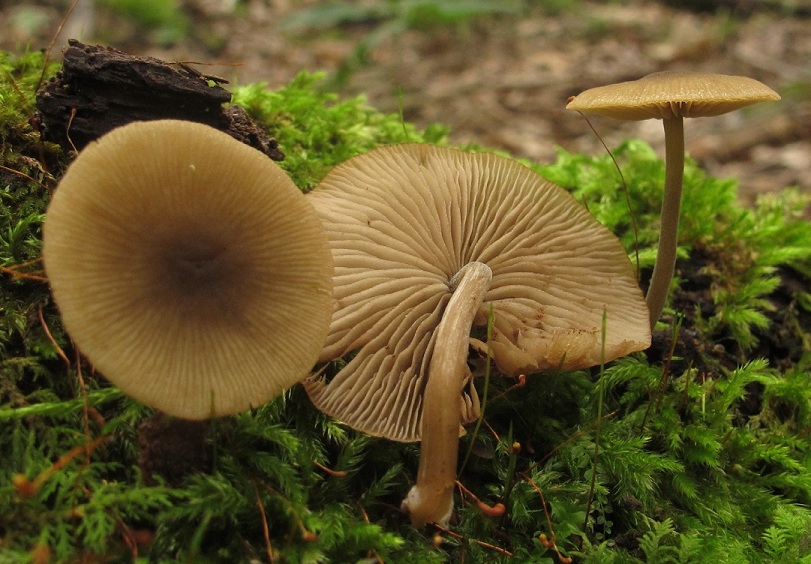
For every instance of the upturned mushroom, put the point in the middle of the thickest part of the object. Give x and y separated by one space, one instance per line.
188 268
425 241
671 96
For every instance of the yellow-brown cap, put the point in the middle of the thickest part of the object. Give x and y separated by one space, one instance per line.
672 94
189 268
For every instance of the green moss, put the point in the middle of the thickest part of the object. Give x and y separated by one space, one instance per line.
26 163
316 130
703 448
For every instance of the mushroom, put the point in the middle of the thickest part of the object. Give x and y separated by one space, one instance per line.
671 96
425 241
188 268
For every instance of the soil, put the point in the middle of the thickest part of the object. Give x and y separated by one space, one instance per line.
499 80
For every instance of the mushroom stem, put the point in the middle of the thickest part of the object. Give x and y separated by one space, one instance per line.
669 222
431 498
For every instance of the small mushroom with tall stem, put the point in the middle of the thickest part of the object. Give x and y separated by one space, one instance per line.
426 241
671 97
188 268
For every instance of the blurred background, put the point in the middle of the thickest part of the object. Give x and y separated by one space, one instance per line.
498 73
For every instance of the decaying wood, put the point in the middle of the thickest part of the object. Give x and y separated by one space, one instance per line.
101 88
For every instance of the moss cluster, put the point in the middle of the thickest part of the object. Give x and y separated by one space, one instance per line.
700 451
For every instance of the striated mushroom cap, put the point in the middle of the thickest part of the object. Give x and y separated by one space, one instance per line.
403 220
672 94
188 268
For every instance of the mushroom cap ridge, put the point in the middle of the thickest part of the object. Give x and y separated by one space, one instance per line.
188 268
403 220
671 94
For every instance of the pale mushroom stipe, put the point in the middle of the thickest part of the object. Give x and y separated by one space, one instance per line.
188 268
671 96
425 240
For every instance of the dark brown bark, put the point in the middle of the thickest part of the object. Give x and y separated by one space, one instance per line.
101 88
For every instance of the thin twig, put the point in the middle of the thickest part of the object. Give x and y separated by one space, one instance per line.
330 471
551 541
17 275
502 551
265 528
27 177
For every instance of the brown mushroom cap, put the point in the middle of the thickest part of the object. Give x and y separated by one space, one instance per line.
188 268
673 94
404 220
